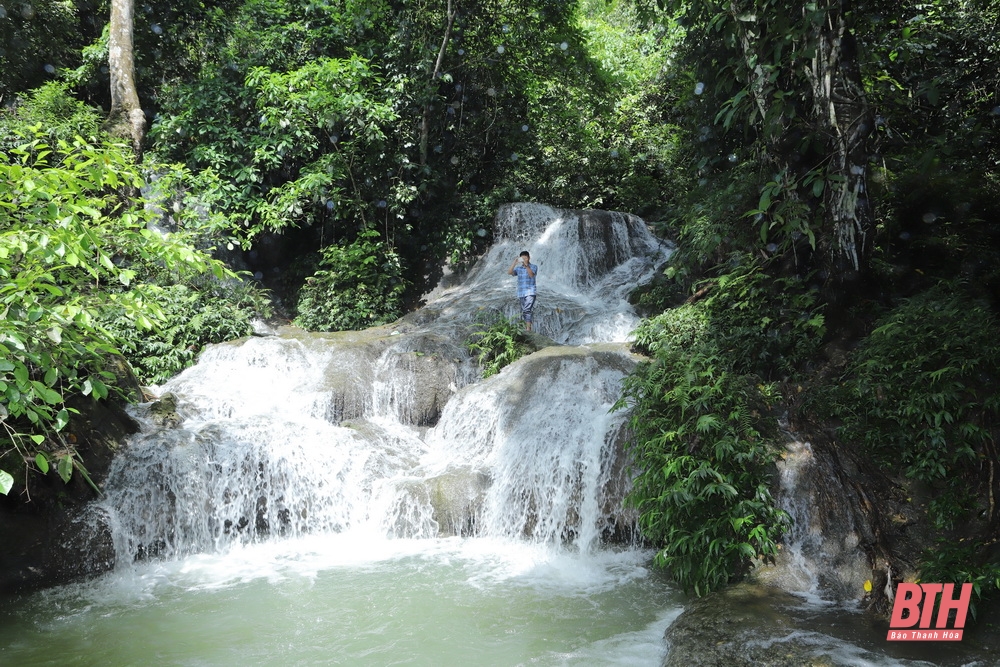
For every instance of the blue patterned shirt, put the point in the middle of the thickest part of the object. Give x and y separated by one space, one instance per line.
525 283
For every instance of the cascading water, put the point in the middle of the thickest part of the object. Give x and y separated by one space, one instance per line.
420 514
303 434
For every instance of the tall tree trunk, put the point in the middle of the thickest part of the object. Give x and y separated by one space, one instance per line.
425 124
126 118
843 115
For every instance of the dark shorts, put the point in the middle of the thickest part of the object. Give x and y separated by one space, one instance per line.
527 305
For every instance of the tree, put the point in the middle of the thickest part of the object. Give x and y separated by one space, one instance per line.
789 75
126 118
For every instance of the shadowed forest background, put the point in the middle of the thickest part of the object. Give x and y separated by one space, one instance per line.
828 170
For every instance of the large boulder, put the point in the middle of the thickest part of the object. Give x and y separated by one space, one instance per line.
50 534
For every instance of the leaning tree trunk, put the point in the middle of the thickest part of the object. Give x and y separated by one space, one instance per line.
126 119
425 123
842 115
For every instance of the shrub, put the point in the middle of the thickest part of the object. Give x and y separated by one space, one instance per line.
498 342
920 394
701 424
190 320
359 285
51 109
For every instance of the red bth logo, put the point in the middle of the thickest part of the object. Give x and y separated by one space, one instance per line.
914 606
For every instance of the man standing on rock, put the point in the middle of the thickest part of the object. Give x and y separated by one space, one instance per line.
525 272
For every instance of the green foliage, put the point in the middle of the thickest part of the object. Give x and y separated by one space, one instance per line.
961 563
71 245
358 285
497 342
920 395
189 320
51 109
701 422
765 325
337 117
703 463
39 38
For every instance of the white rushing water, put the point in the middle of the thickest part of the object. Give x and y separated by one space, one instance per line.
364 498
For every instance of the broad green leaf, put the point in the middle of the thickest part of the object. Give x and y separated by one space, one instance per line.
65 467
42 462
6 482
62 418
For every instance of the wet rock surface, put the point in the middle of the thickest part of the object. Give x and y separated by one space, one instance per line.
48 538
745 625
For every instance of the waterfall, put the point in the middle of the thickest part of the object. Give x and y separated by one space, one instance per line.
389 432
588 262
821 559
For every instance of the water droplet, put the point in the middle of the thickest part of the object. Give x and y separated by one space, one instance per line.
461 52
157 29
524 128
334 138
330 204
458 87
930 217
564 46
699 88
50 68
381 203
500 49
480 232
732 158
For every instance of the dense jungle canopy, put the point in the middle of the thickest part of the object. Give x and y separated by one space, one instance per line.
829 169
